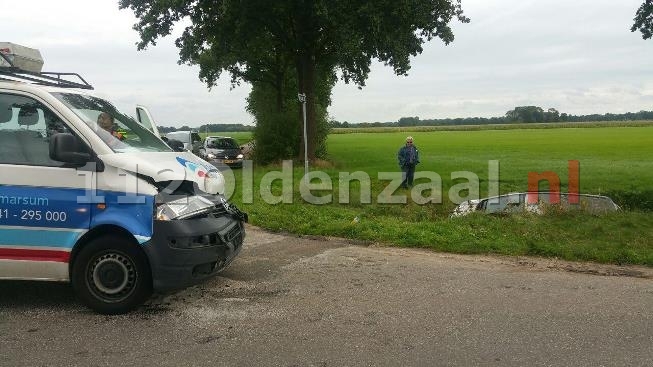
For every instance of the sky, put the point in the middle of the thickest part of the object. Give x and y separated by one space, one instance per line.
578 57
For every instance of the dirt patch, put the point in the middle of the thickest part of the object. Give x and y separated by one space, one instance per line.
522 262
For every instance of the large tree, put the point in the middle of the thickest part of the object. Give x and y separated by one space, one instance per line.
258 40
644 19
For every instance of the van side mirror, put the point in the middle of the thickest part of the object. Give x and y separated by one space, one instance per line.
176 145
66 148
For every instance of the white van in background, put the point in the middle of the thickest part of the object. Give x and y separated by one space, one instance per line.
191 139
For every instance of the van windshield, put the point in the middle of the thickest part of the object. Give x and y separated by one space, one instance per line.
121 132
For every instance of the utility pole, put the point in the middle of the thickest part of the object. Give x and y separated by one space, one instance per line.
302 100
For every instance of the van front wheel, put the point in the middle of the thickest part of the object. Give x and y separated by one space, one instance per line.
111 275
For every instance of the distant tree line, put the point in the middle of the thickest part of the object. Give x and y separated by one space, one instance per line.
521 114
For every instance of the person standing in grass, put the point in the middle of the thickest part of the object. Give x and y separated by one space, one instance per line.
408 157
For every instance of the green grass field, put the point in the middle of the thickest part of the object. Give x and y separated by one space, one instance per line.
611 159
614 160
241 137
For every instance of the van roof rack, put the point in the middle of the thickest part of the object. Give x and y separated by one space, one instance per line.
55 79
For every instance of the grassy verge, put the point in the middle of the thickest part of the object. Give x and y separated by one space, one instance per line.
619 238
613 159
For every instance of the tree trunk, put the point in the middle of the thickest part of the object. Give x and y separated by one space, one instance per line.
310 107
278 83
278 86
306 73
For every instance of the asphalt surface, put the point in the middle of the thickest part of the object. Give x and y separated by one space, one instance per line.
289 301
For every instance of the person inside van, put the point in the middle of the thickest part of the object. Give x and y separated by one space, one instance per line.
105 121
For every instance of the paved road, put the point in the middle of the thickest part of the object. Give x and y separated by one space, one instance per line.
290 301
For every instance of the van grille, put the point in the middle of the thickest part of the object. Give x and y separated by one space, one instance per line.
234 235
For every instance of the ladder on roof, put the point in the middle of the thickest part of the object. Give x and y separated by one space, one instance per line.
55 79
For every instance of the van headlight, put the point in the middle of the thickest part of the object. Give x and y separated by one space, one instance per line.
239 156
183 208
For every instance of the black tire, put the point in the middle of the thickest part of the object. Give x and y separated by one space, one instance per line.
111 275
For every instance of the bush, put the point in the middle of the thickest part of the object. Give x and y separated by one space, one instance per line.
277 137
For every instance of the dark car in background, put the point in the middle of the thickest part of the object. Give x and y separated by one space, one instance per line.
222 150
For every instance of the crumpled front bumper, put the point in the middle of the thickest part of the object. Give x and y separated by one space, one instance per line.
185 252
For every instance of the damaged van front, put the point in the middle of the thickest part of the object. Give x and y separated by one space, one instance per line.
96 198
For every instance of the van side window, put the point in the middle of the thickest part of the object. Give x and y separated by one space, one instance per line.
25 129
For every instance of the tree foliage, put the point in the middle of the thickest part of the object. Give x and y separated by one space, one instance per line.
258 41
644 19
409 121
526 114
276 128
532 114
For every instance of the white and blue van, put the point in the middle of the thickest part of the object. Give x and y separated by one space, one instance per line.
91 196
